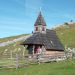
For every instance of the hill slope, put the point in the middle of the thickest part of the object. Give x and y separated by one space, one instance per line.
12 44
11 38
66 33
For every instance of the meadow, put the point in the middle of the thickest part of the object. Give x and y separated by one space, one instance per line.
54 68
66 34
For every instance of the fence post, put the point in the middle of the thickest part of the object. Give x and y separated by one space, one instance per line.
17 61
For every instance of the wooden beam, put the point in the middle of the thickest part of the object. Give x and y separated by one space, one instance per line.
33 49
43 50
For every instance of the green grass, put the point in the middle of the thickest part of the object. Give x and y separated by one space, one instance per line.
15 45
67 35
55 68
11 38
6 63
11 63
14 49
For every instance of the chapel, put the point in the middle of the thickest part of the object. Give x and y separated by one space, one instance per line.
43 40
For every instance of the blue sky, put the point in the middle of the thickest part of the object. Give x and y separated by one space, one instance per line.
18 16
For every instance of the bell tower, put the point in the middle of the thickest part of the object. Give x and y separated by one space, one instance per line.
40 25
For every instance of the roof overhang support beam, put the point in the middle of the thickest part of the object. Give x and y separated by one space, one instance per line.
33 49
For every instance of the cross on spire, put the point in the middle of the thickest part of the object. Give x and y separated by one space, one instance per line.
40 9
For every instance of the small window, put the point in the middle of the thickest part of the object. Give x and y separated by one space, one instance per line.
36 28
43 29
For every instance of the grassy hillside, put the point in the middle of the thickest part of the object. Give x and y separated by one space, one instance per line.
66 33
55 68
15 47
11 38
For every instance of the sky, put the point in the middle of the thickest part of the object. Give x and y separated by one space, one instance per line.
18 16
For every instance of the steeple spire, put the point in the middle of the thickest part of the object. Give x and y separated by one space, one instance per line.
40 25
40 20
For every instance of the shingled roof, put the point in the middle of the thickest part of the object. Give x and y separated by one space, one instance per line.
40 20
49 40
